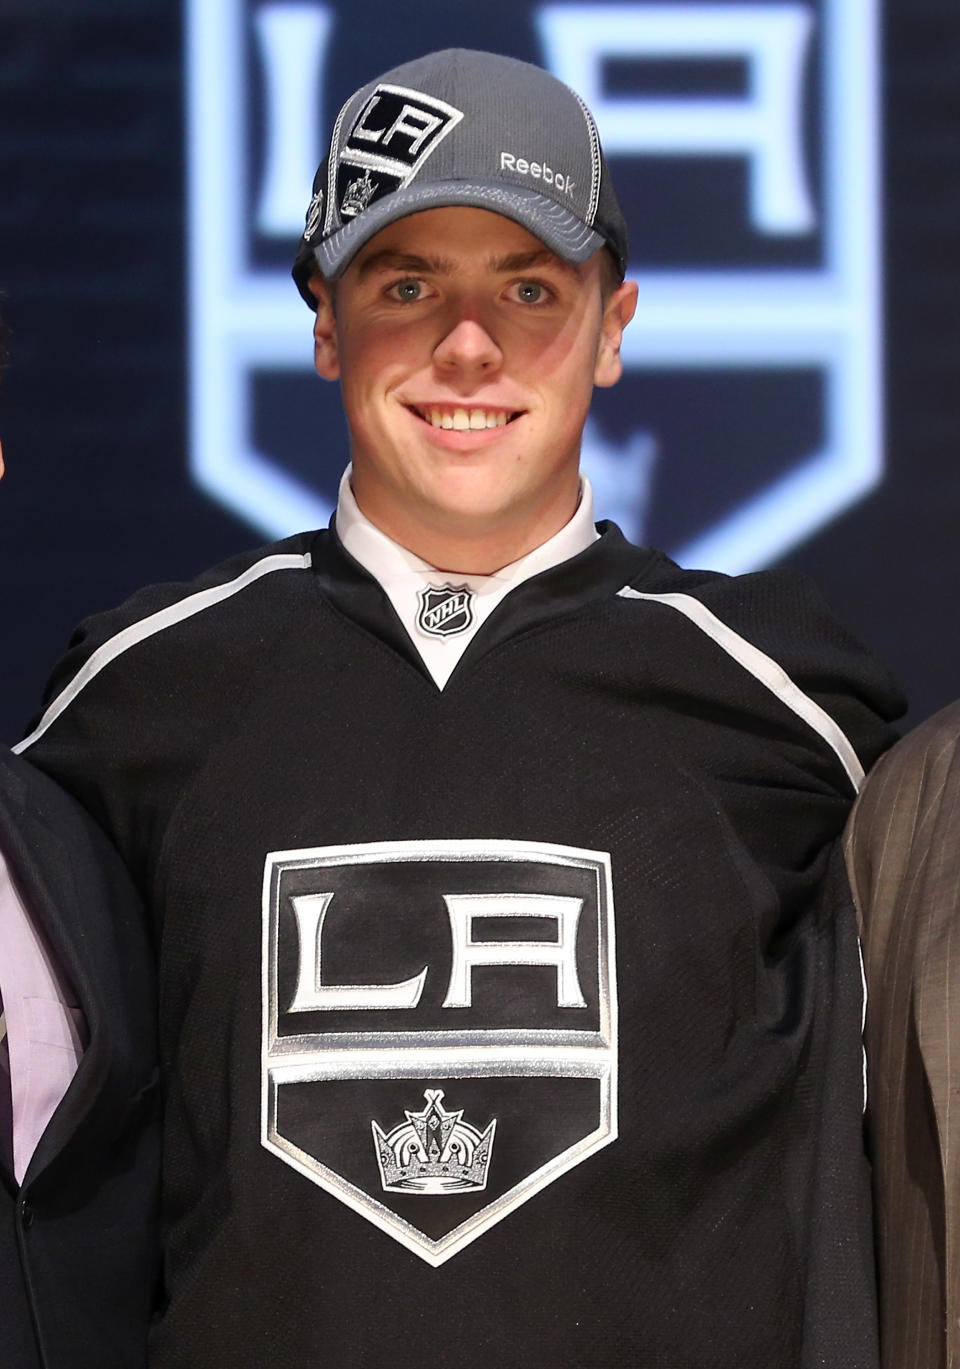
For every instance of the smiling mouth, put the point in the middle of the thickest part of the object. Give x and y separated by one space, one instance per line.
464 420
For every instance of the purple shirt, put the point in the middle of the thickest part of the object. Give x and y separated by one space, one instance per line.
44 1027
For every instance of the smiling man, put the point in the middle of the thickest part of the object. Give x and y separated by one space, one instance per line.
510 994
467 373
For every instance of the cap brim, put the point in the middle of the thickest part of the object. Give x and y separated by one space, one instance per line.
555 226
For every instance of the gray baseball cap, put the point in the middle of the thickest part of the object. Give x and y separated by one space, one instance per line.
462 128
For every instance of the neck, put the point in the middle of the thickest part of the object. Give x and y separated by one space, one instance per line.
474 547
455 555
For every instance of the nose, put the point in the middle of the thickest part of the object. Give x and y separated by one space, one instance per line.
468 347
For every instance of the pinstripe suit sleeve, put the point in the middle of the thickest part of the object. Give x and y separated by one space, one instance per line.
903 857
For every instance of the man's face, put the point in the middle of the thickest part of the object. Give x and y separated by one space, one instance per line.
467 354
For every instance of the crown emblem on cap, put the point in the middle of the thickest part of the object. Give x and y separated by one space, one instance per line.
433 1151
358 195
313 215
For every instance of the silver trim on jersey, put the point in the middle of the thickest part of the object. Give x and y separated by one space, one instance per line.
157 622
765 669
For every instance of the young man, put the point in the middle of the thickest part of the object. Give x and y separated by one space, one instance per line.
510 996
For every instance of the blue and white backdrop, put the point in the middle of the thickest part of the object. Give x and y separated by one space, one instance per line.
777 173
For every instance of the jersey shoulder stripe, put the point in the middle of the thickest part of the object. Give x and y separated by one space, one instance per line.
158 622
765 669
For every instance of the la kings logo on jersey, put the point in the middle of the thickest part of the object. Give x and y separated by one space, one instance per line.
440 1027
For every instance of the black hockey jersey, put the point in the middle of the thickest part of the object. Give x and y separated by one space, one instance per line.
516 1023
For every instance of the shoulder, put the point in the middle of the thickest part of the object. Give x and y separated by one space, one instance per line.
76 888
913 789
903 858
37 817
27 796
925 758
149 626
157 608
782 608
178 600
781 613
776 626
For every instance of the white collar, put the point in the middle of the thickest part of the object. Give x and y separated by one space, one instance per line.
404 575
384 558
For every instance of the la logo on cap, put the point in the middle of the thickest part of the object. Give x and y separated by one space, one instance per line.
390 139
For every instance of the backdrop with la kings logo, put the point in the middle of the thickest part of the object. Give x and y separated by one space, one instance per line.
778 165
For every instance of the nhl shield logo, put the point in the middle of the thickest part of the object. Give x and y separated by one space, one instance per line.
426 1006
445 610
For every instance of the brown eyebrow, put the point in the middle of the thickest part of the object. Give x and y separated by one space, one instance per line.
391 260
539 256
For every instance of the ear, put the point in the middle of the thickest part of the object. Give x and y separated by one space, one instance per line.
618 311
326 354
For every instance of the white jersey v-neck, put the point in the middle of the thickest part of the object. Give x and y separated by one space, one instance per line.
404 576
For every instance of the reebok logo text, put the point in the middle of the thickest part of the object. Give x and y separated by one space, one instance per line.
538 170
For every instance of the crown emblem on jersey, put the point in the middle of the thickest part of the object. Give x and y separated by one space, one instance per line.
445 610
358 195
433 1151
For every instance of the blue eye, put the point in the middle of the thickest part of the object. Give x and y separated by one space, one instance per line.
530 291
408 290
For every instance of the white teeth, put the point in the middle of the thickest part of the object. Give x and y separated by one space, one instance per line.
463 419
